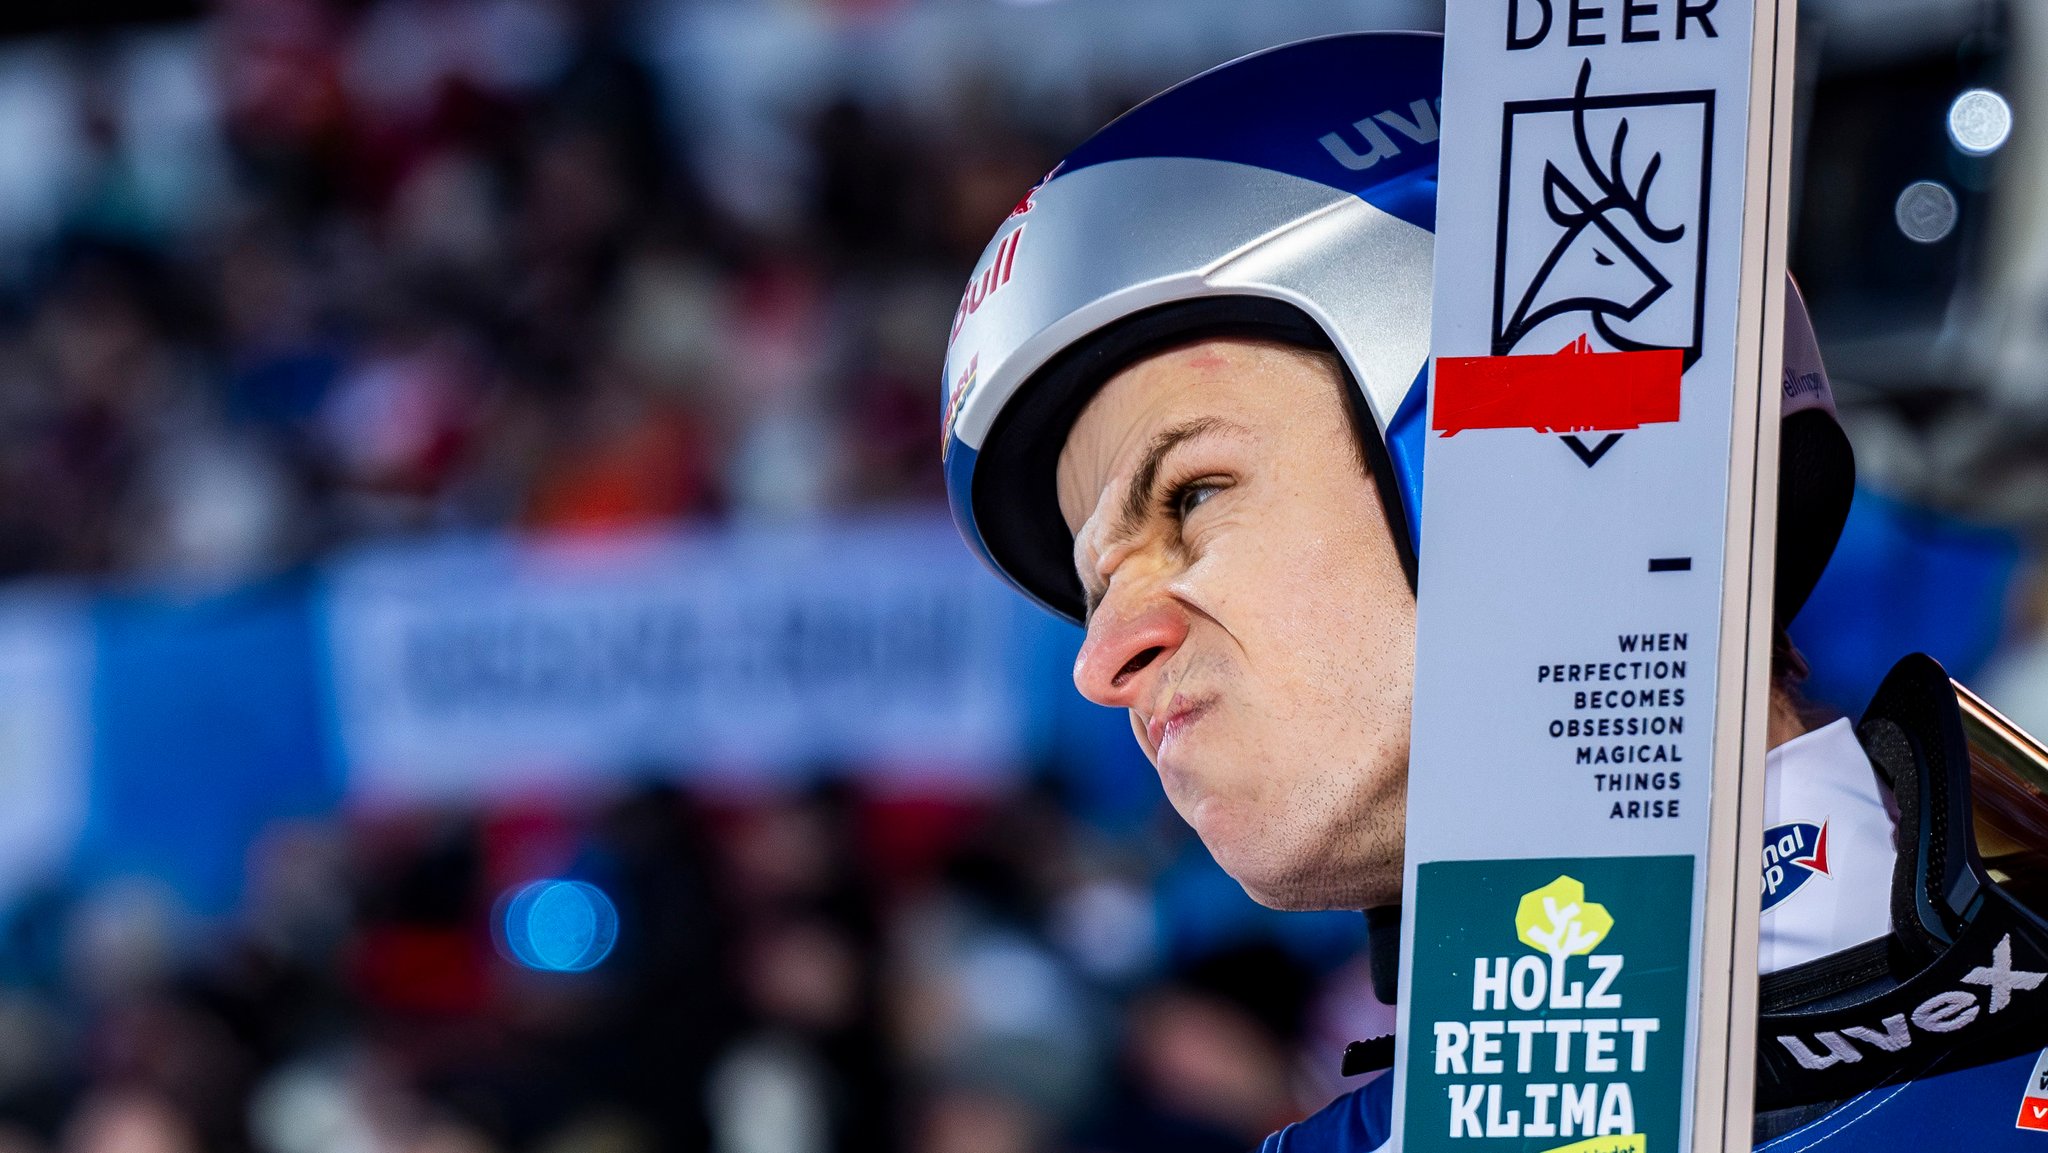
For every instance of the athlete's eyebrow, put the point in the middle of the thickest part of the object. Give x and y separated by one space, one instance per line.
1138 497
1137 501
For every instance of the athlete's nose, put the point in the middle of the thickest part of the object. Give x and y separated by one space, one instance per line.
1125 651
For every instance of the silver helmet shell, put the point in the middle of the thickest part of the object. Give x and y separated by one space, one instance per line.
1290 195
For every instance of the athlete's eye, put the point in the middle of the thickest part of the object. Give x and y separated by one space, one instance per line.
1191 495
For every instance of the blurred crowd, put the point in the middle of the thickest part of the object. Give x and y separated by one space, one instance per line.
451 264
429 265
815 972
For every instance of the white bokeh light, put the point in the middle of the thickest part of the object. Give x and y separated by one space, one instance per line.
1979 122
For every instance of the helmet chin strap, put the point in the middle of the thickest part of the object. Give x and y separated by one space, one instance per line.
1383 951
1383 961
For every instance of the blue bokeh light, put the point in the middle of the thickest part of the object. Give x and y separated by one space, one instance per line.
559 926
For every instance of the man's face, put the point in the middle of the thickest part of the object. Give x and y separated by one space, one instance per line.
1247 606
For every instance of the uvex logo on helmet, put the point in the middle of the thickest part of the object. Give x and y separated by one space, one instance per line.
1794 853
1419 125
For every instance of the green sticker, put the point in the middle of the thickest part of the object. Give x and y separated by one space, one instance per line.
1549 1005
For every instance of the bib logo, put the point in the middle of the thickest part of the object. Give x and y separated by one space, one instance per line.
2034 1102
1571 1041
1794 853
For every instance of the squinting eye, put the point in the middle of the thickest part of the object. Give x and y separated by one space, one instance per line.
1193 496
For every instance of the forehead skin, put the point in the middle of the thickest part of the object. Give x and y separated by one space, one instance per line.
1262 637
1245 385
1111 428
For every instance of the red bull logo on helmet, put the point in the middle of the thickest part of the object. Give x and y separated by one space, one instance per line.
1029 200
990 281
960 388
1794 853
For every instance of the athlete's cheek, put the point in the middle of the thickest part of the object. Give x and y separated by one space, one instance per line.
1228 570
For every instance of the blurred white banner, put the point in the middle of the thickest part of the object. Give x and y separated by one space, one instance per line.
495 667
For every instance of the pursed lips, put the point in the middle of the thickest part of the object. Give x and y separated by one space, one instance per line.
1164 725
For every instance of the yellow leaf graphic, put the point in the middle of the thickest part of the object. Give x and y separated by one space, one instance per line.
1620 1143
1559 921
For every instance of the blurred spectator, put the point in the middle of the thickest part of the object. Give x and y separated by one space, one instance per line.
1210 1055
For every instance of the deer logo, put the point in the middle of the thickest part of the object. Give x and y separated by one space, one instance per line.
1603 221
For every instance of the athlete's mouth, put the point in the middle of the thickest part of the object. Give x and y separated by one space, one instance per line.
1171 721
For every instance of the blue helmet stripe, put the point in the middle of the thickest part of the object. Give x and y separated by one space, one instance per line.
960 458
1406 436
1360 115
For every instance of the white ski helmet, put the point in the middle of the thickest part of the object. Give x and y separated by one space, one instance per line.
1288 195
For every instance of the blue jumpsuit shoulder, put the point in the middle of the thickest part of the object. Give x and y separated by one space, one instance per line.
1358 1122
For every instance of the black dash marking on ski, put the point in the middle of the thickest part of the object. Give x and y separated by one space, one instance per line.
1592 455
1670 564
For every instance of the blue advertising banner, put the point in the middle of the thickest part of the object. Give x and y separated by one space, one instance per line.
205 728
496 666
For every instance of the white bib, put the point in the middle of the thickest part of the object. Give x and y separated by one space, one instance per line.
1830 841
